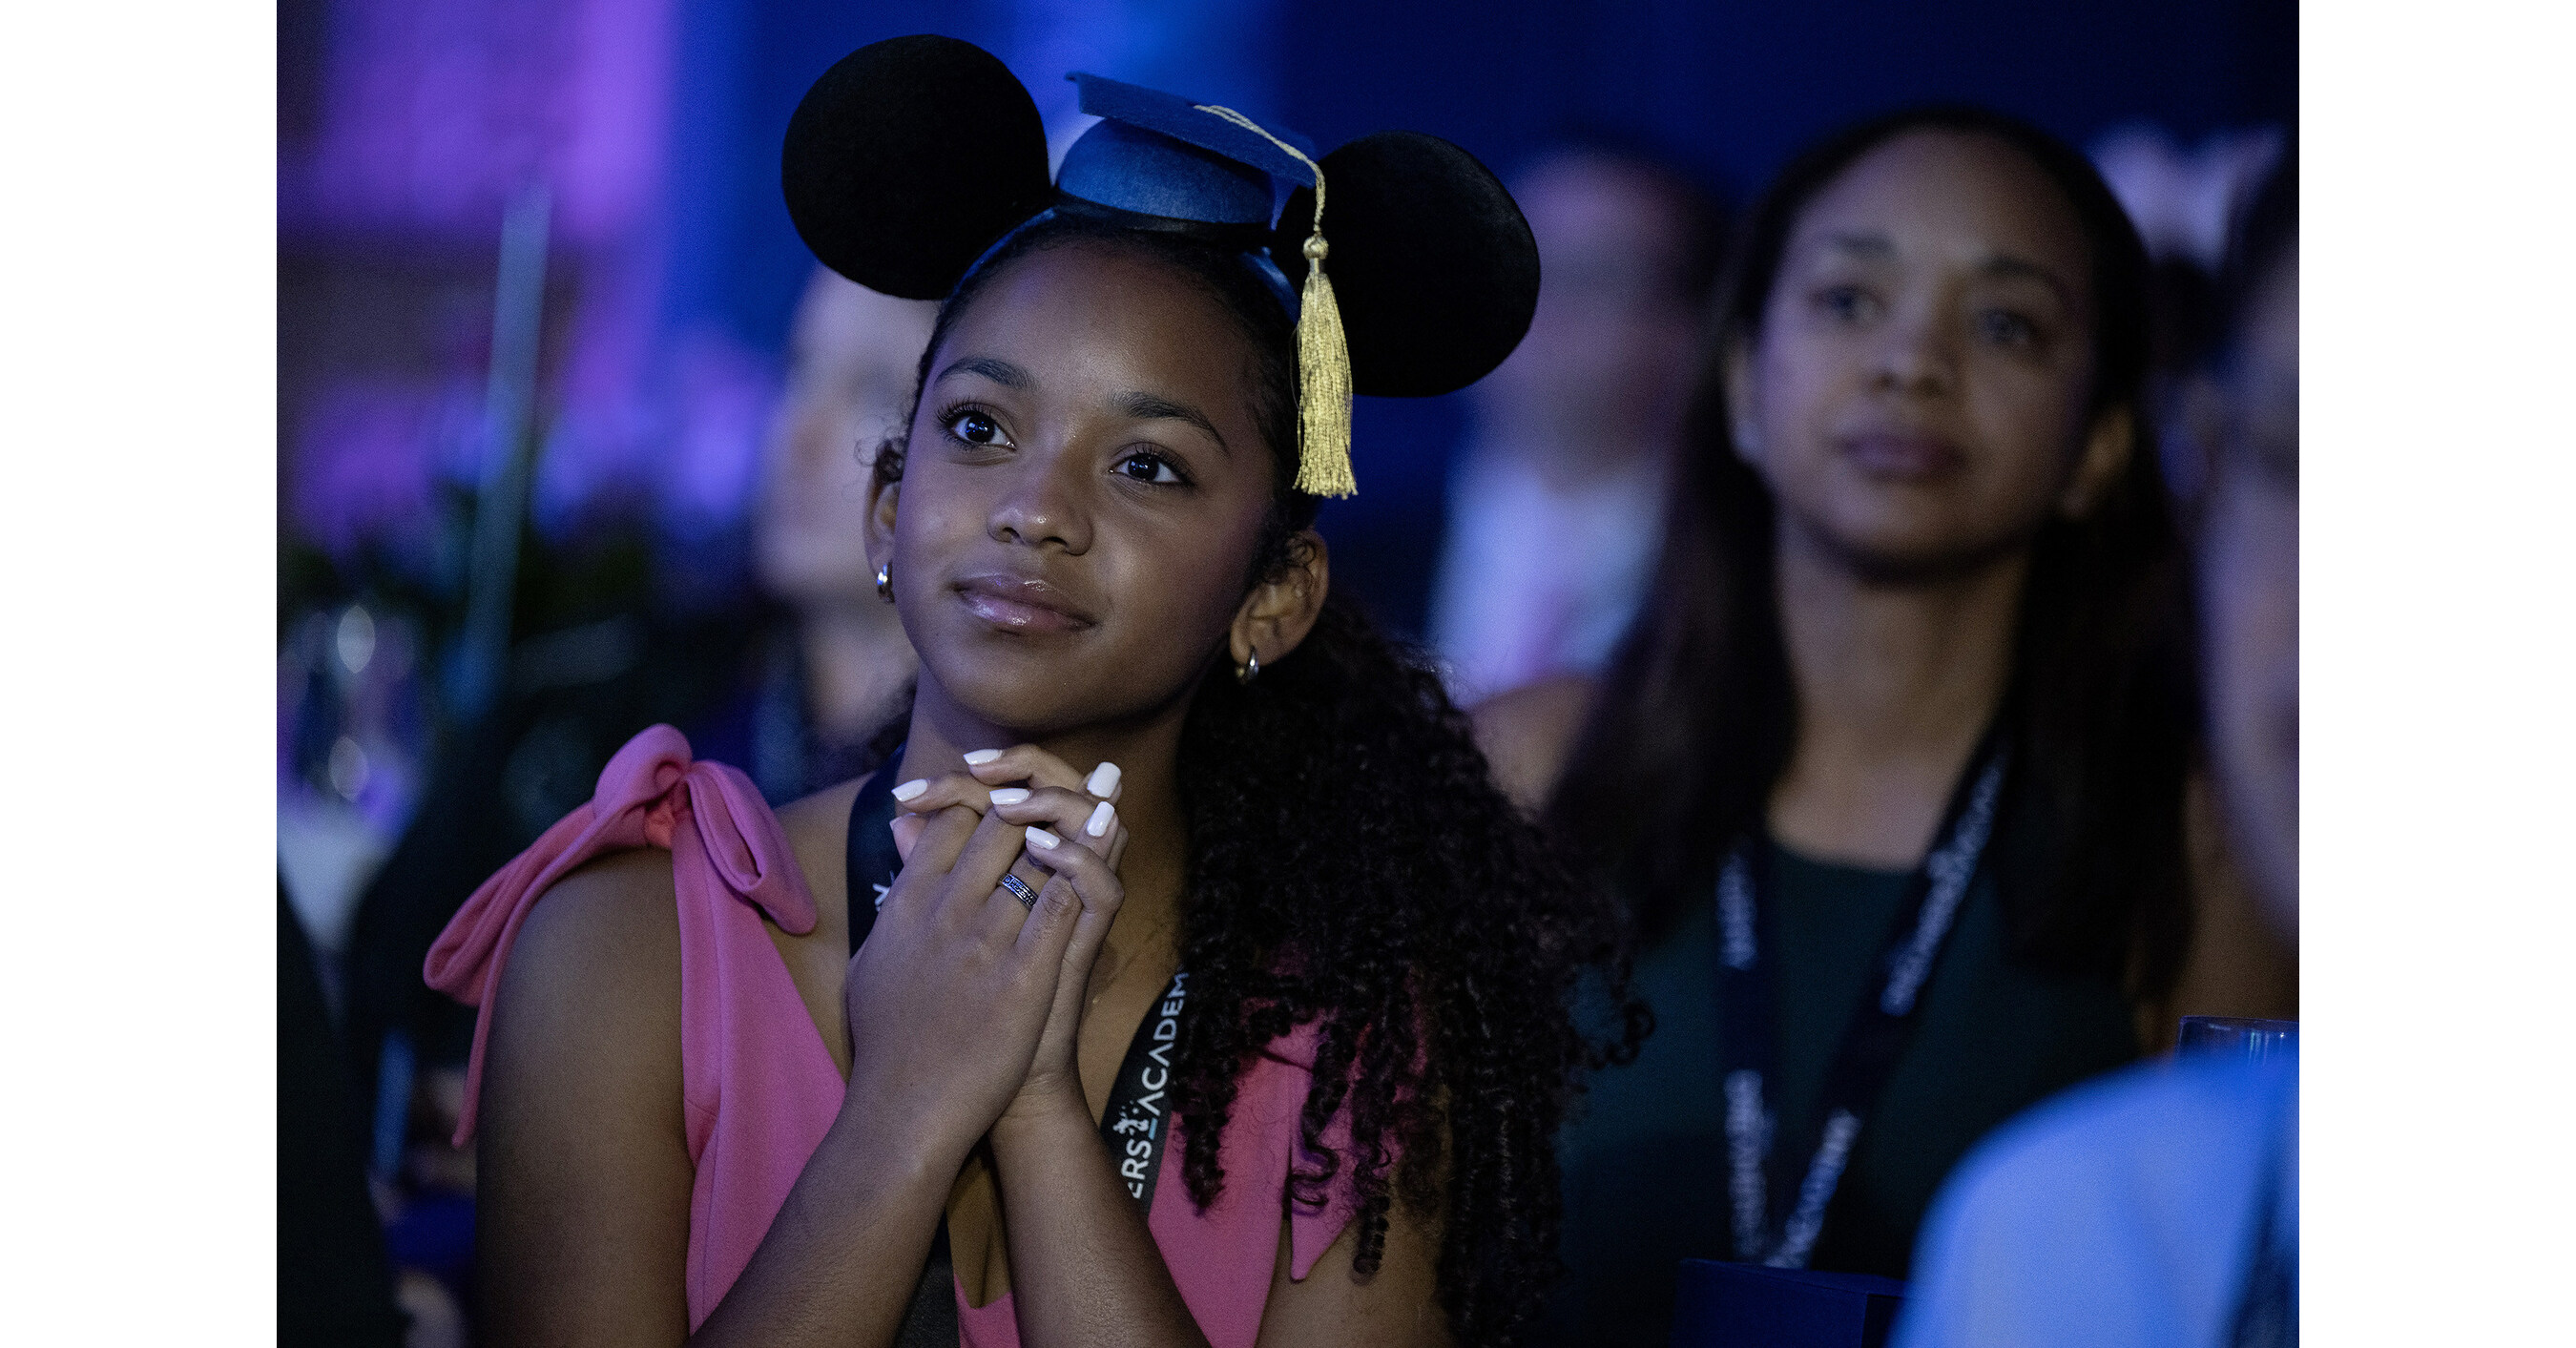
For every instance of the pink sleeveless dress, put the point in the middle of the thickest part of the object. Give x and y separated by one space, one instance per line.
759 1087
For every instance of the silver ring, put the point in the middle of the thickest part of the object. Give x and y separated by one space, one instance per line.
1020 890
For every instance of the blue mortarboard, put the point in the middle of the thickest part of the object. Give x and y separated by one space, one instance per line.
1433 279
1159 154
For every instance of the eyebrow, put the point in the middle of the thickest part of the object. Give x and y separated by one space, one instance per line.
2002 265
1866 245
1147 407
1001 372
2009 267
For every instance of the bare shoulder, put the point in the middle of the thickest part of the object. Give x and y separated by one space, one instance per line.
614 917
582 1146
589 1003
1528 732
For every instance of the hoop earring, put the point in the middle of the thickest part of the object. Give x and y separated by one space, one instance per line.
885 582
1250 669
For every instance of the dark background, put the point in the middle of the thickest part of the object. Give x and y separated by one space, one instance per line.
701 254
1727 90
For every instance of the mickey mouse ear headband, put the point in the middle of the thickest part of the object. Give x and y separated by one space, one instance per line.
1409 268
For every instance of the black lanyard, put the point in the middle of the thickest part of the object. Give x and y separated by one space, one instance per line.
1779 1214
1135 1122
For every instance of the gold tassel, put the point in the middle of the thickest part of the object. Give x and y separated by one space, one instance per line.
1323 352
1323 378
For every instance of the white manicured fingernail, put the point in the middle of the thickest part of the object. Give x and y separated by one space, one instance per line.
982 756
1102 816
1042 840
1103 780
912 788
1010 795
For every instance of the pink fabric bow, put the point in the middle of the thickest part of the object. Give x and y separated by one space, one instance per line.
650 794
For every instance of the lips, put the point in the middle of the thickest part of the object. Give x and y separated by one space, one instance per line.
1021 604
1903 456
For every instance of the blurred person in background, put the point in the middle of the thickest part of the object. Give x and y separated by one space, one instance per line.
1891 775
1556 506
2161 1207
2184 200
834 669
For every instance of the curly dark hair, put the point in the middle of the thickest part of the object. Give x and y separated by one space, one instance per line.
1353 865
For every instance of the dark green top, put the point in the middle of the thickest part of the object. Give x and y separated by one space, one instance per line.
1645 1155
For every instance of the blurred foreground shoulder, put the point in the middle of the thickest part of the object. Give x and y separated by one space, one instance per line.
1528 733
2116 1213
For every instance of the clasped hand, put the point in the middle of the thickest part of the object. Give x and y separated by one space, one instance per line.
964 1004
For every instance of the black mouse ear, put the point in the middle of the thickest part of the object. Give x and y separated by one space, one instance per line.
1433 266
909 158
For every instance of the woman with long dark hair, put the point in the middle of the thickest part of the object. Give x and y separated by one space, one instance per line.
1892 773
1181 977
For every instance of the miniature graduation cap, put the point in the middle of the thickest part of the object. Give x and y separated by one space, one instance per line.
912 159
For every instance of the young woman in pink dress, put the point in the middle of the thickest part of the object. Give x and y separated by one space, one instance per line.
1213 994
